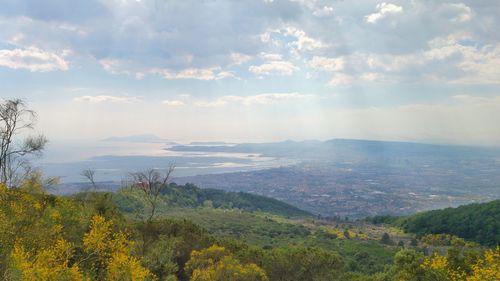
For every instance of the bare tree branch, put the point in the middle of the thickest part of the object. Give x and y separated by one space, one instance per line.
16 119
89 174
152 183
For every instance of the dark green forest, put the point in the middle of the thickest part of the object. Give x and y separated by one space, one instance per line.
475 222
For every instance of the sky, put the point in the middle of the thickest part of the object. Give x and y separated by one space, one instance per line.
256 70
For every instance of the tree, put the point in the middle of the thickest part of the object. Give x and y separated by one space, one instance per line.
386 239
414 242
151 183
89 174
16 119
297 263
407 264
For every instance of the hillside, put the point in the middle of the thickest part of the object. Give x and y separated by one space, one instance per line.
191 196
475 222
90 237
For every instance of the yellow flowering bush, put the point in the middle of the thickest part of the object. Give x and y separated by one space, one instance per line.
111 253
50 264
126 268
217 264
487 268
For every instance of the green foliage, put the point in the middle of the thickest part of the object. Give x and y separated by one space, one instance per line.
475 222
302 263
174 238
382 219
190 196
87 237
386 239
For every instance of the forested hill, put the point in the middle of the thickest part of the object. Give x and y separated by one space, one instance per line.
191 196
475 222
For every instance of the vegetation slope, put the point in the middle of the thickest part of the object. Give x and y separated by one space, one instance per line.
475 222
91 237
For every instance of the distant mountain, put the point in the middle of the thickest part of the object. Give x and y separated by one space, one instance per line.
208 143
475 222
146 138
345 149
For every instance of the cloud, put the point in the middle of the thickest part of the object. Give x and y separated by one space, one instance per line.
383 10
260 99
274 68
317 8
326 64
115 66
239 58
215 103
457 12
341 79
107 98
129 68
323 12
447 60
268 56
173 103
32 59
303 41
206 74
270 98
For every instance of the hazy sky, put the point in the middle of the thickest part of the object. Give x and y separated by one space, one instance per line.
256 70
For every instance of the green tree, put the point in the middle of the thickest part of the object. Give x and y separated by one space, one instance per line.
386 239
302 263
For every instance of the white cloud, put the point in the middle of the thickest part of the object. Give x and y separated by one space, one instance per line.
383 9
446 60
465 64
32 59
323 12
173 103
206 74
341 79
115 66
260 99
326 64
480 65
239 58
215 103
274 67
129 68
268 38
304 42
460 12
107 98
269 98
268 56
112 66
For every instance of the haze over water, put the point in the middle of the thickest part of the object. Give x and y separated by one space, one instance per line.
114 160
